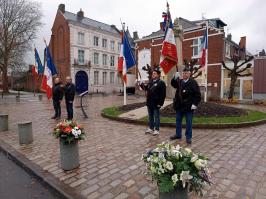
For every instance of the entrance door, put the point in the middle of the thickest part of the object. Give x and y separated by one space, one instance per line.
81 81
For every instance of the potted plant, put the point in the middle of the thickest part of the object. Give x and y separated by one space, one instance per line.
177 171
69 133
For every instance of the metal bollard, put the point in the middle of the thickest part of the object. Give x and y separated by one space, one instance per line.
17 98
25 132
3 122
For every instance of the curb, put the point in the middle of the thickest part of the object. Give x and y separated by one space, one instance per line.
196 126
44 177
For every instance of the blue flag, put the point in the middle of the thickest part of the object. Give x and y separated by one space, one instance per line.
50 63
128 54
38 61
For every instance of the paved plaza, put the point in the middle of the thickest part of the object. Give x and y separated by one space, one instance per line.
110 157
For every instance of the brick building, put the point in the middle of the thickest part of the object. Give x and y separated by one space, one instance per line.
220 48
87 50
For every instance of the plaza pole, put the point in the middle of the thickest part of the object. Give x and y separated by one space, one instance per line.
206 64
125 93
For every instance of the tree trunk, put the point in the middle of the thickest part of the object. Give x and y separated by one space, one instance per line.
5 80
232 86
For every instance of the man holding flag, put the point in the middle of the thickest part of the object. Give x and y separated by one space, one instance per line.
126 59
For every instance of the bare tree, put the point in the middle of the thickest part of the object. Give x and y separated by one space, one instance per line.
194 69
19 22
238 70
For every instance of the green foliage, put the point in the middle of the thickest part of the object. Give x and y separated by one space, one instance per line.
112 111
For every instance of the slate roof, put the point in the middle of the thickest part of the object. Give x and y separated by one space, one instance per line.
90 22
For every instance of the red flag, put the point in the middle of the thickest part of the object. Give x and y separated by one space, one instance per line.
34 71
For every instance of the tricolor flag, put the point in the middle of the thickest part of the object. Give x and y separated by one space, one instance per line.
49 71
204 47
126 58
169 51
38 61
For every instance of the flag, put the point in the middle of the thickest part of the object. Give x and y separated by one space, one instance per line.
126 58
204 47
49 62
49 71
169 51
38 61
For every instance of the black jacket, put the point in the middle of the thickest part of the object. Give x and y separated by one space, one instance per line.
69 92
187 93
57 92
156 92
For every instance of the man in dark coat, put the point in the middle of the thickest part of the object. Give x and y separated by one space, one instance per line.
187 98
57 98
69 97
155 93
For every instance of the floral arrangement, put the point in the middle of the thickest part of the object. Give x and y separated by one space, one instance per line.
68 131
174 166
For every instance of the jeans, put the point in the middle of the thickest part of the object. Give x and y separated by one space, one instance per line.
69 107
154 118
179 116
57 108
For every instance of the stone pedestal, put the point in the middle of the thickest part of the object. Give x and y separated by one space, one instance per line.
3 122
17 98
25 132
40 97
69 155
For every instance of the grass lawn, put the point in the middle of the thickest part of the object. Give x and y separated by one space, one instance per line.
250 117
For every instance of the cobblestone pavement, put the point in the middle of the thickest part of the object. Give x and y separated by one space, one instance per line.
110 156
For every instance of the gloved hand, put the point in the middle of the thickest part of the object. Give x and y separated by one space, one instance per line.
193 107
177 75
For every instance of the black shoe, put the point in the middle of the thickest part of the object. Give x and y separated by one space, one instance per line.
189 141
175 137
53 117
58 118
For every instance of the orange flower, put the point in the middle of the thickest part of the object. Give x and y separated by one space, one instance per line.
68 129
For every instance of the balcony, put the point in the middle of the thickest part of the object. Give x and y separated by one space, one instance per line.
86 63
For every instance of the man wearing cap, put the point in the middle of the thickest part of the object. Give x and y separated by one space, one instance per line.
156 92
187 98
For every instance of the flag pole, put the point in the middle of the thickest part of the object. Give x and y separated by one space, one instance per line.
125 85
33 74
206 63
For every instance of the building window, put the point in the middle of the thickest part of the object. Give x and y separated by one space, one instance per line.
81 56
104 43
197 47
96 58
81 38
112 77
104 59
112 45
228 50
112 60
104 78
96 41
96 77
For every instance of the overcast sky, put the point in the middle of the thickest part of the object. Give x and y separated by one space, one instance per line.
243 17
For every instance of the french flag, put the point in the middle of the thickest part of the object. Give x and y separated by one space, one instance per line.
204 46
126 58
169 51
49 71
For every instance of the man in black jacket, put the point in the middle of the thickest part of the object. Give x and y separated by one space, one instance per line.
155 92
69 97
187 98
57 98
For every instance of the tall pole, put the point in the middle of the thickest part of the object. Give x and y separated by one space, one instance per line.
206 63
124 63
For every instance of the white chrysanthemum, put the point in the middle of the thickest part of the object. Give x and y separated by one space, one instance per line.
200 163
185 177
169 166
161 156
75 133
175 179
194 158
187 151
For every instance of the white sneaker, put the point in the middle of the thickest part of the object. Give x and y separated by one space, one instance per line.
155 132
149 131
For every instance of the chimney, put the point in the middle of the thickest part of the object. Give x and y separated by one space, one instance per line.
229 37
135 35
61 7
242 43
80 14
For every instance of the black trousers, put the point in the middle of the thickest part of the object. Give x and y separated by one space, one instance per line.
69 107
57 108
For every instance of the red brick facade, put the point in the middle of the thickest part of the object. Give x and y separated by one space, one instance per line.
60 45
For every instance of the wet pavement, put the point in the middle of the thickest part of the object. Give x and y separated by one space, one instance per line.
110 157
15 183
